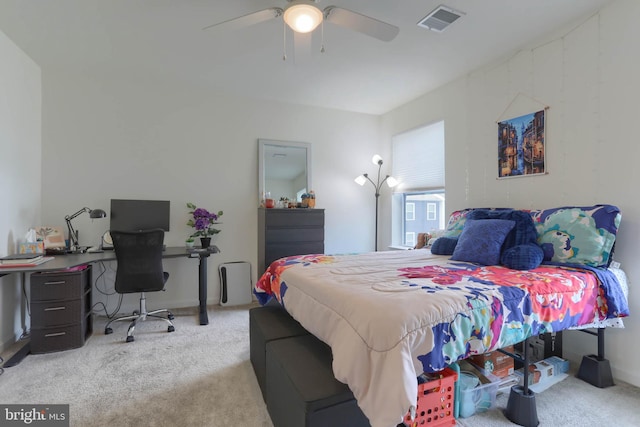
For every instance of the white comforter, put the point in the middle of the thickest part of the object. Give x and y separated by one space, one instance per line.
389 316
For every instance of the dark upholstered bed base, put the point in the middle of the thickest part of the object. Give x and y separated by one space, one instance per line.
266 324
301 388
294 372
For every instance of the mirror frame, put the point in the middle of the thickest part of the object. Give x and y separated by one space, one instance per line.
263 142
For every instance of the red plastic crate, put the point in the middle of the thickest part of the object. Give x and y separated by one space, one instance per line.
435 402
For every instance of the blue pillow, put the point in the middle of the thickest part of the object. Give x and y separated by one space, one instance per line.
481 241
522 257
444 245
524 231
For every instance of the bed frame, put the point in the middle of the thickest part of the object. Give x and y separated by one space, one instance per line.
594 369
272 327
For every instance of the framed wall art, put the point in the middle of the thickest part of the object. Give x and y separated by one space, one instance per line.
521 145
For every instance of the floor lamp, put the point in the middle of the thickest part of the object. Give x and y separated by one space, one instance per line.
391 182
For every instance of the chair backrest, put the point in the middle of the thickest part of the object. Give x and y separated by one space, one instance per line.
139 257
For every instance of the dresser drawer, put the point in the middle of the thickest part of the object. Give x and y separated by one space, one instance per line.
58 338
57 313
310 234
276 251
294 218
60 285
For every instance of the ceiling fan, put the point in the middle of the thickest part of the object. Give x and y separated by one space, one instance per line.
303 16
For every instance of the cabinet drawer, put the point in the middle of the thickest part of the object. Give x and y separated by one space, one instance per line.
276 251
294 218
56 313
59 286
59 338
311 234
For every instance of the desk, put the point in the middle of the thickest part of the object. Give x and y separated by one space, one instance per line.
62 262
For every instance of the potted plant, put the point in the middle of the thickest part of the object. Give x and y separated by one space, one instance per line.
203 221
189 242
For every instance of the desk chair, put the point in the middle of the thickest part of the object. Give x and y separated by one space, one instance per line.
139 269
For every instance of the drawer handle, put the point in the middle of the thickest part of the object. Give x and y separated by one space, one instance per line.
57 334
55 308
59 282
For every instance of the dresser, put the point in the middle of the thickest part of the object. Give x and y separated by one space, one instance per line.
60 310
286 232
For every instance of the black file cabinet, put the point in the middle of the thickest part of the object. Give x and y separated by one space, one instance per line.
60 310
287 232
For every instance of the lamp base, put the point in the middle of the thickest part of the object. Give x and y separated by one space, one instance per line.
77 250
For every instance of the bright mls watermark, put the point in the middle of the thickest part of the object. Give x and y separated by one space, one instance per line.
34 415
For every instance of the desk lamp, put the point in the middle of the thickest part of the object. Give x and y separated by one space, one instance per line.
73 234
391 182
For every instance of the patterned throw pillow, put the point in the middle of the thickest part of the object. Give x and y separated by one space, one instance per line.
456 223
578 235
481 241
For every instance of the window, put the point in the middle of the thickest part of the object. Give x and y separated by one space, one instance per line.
429 214
431 211
410 238
410 212
419 199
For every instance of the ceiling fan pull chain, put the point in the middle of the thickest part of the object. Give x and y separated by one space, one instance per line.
322 36
284 40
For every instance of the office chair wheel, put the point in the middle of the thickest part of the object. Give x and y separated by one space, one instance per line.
171 328
170 316
130 338
108 331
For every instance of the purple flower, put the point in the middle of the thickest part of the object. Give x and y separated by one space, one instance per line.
201 213
203 221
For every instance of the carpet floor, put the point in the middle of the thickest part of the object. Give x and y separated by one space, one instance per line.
201 376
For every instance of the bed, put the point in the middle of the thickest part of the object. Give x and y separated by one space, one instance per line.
389 316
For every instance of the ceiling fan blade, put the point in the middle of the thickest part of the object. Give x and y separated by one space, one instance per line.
249 19
361 23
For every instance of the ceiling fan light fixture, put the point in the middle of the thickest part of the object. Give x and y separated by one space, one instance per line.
302 16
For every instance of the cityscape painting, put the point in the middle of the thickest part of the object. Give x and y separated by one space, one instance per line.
521 145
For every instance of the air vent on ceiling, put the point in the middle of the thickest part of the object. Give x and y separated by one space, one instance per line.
440 18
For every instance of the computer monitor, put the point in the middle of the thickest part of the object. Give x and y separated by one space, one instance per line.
134 215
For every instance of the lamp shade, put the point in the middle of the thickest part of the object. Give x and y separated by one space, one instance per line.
361 180
97 213
392 182
302 17
376 159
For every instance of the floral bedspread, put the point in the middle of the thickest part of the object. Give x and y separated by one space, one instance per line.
388 316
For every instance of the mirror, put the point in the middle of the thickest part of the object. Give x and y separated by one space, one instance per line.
284 169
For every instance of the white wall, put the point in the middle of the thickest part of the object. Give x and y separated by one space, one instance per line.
133 136
20 171
588 76
105 137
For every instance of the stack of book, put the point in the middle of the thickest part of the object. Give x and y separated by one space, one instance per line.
23 260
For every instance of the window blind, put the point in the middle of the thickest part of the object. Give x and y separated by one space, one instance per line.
418 158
